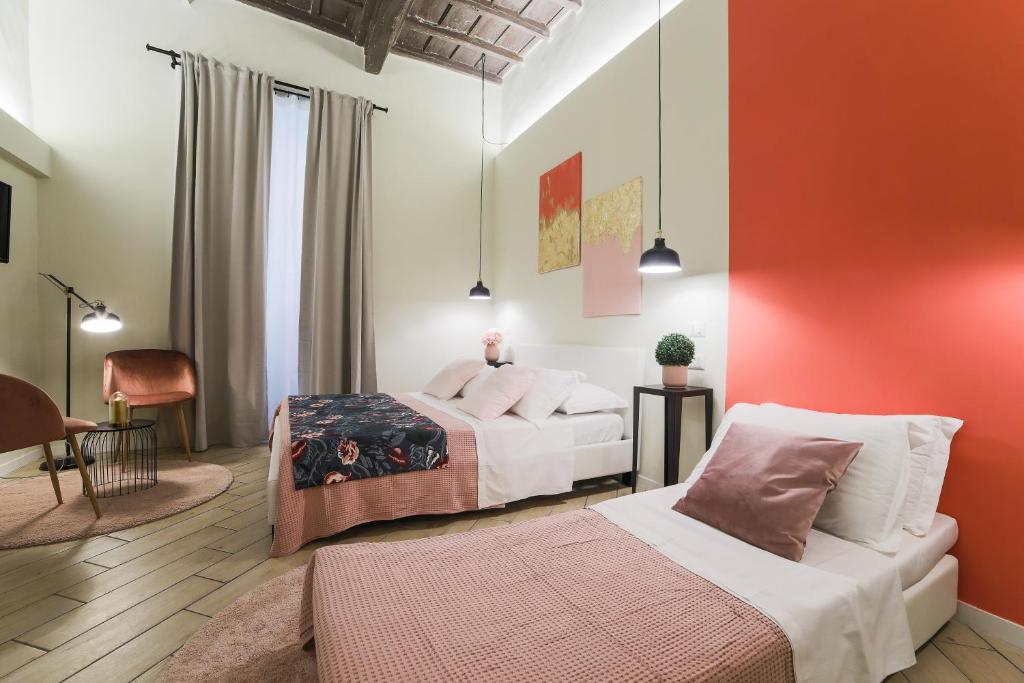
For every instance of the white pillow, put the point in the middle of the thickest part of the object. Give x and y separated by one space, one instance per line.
474 385
590 398
930 439
865 507
551 389
452 378
499 392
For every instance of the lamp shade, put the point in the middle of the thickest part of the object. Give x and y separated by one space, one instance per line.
479 291
660 259
100 320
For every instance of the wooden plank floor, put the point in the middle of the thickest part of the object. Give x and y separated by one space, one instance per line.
116 607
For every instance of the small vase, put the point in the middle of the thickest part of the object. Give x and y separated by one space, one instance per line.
491 353
674 376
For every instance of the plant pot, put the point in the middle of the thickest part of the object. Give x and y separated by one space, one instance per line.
491 353
674 375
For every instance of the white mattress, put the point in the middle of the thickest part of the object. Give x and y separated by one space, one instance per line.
591 428
919 554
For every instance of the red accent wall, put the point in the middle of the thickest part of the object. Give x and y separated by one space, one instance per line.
877 236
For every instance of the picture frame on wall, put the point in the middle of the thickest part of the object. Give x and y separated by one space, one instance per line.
5 222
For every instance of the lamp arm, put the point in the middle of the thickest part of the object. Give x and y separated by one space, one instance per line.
68 290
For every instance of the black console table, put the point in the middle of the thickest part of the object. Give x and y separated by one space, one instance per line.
673 424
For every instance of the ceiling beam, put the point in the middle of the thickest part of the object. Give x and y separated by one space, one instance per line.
449 64
569 4
536 28
382 32
463 40
304 17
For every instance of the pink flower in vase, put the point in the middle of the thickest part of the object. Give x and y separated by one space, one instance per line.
491 338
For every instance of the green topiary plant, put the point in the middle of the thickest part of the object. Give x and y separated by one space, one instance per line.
674 349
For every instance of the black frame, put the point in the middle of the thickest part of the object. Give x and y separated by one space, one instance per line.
6 199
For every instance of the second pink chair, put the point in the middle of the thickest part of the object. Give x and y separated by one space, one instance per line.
152 378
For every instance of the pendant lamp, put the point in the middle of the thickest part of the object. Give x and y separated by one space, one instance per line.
659 258
479 291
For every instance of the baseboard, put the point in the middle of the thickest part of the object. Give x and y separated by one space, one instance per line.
987 624
20 459
646 483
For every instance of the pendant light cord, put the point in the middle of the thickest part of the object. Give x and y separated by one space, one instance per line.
483 139
659 124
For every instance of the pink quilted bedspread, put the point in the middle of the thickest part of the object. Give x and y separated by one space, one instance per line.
570 597
322 511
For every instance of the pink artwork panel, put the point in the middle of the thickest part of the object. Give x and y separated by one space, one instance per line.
612 245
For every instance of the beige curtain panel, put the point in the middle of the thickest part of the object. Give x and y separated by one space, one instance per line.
336 343
219 246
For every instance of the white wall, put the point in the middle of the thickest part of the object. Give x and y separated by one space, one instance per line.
612 118
110 111
580 44
15 85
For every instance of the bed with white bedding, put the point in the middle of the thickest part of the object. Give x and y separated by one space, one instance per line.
637 588
509 459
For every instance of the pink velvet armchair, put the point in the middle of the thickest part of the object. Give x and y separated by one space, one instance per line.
29 418
152 378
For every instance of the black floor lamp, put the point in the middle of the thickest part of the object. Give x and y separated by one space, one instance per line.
99 320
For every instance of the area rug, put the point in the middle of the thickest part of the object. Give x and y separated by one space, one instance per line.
30 515
255 638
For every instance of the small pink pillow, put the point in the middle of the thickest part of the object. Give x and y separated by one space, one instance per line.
499 392
452 378
765 486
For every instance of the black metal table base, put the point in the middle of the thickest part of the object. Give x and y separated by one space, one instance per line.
124 458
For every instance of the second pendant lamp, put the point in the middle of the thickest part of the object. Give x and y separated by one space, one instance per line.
659 258
479 291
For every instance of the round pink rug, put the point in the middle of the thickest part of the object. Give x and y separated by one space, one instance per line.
255 638
30 515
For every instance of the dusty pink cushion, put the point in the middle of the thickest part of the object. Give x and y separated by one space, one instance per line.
452 378
765 486
500 391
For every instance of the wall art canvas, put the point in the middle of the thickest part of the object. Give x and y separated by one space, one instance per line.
612 244
561 193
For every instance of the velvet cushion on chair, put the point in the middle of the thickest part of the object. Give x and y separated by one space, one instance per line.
72 425
150 377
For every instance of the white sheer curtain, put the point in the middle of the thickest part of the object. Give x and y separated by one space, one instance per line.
284 246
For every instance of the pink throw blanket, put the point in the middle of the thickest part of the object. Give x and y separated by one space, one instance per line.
312 513
570 597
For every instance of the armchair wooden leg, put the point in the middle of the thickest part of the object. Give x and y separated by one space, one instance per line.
86 479
183 430
53 473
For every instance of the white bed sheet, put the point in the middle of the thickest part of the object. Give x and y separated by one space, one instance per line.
918 555
591 428
841 606
516 458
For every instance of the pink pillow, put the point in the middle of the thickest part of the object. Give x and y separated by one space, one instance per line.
499 392
765 486
452 378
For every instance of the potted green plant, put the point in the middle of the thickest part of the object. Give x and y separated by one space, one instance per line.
674 354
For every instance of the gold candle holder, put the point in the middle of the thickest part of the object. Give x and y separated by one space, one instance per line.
120 411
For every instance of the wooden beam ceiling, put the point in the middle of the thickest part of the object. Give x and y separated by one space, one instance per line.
382 32
453 34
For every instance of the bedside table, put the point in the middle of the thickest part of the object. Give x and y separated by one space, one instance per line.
498 363
673 423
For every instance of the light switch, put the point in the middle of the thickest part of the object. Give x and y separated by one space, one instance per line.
698 328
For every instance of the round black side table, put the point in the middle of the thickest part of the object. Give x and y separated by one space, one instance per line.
125 457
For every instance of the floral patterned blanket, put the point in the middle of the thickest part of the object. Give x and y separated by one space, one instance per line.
343 437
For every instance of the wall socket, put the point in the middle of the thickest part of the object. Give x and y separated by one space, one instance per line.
698 362
698 328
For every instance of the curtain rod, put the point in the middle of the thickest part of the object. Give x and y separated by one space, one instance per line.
289 88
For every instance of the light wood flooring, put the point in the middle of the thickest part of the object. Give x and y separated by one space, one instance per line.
116 607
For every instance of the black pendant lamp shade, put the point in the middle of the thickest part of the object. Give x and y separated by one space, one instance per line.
480 292
659 259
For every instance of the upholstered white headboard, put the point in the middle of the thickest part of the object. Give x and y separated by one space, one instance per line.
617 369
